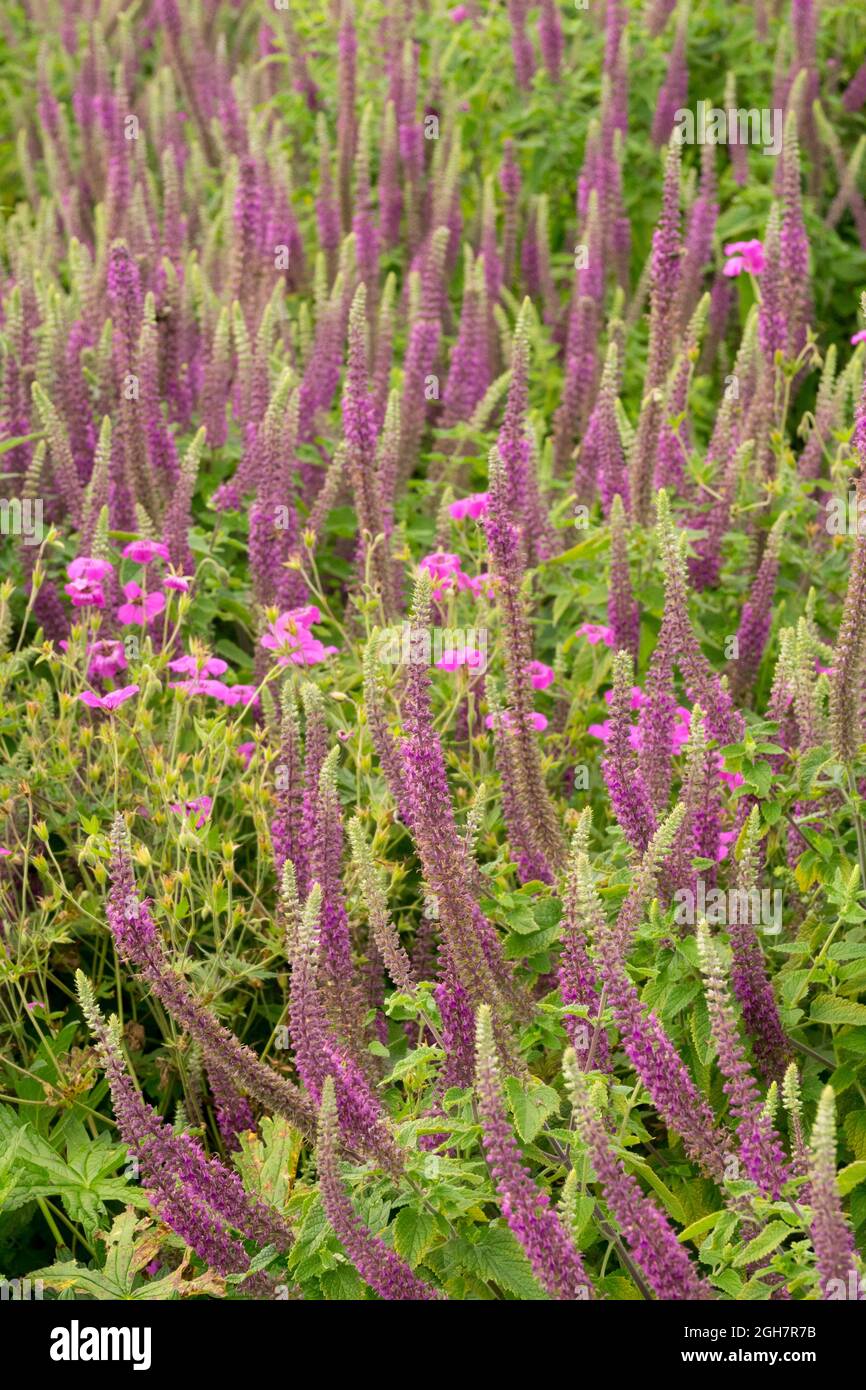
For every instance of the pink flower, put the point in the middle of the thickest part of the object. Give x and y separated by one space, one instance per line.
444 569
217 690
681 727
475 505
458 14
107 658
637 701
733 779
143 551
603 731
241 694
289 635
726 838
85 594
34 1004
596 632
89 568
4 852
745 255
200 803
144 612
176 581
246 751
195 666
483 583
460 656
109 701
538 721
859 337
540 676
824 670
86 574
196 685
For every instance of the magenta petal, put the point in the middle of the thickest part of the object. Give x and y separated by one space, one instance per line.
119 697
154 604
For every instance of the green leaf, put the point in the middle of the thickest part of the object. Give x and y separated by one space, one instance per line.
700 1227
768 1239
8 444
530 1107
342 1285
855 1131
547 912
729 1282
847 950
497 1256
268 1165
851 1176
414 1233
518 946
130 1245
672 1203
828 1009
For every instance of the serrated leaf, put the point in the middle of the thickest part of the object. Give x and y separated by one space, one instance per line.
729 1282
342 1284
530 1107
828 1009
268 1164
519 946
414 1233
497 1257
763 1243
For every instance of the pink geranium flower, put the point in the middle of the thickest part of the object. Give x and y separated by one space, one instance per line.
726 839
146 611
859 337
241 694
596 632
744 255
109 701
107 659
90 568
199 685
733 779
202 804
143 551
603 731
538 721
444 569
681 727
246 751
290 637
483 583
540 676
637 701
86 574
460 656
85 594
177 581
199 666
474 506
